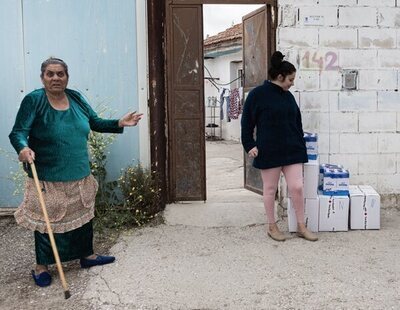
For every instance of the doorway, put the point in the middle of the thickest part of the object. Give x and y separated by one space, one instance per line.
186 102
223 95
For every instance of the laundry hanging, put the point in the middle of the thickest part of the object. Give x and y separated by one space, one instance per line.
235 105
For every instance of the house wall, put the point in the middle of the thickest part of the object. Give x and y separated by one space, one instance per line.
98 40
357 128
225 68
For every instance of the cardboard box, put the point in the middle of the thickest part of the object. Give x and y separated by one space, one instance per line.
311 179
357 214
311 140
333 213
311 213
364 208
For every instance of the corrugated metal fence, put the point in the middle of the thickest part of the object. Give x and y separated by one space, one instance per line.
97 39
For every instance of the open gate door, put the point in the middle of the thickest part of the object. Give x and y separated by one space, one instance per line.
258 46
186 137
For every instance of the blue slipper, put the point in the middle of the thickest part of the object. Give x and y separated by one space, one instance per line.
100 260
42 279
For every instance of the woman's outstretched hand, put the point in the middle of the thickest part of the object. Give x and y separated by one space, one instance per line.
130 119
253 152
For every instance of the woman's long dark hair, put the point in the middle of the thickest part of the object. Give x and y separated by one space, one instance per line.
280 66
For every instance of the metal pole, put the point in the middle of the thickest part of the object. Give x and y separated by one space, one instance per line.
157 105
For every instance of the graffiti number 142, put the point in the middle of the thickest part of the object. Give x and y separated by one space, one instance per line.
320 61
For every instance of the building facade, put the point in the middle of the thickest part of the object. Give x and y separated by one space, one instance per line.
104 45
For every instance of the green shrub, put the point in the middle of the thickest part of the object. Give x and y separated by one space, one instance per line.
141 193
140 202
18 177
133 200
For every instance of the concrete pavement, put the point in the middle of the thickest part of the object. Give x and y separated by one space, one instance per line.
216 255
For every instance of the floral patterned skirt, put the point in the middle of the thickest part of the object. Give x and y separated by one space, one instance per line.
69 205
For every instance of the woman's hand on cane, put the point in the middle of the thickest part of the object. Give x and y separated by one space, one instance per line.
26 155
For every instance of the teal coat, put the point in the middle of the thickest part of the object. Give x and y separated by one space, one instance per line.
58 138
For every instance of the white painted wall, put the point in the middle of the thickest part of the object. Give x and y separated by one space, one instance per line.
142 82
360 128
224 68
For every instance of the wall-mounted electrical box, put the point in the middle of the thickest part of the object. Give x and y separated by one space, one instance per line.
349 79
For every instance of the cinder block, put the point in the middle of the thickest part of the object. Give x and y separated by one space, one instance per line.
398 163
328 143
389 58
351 143
338 37
327 14
324 158
354 59
388 183
323 144
398 37
357 16
333 101
379 38
343 122
315 122
389 143
377 79
389 17
398 122
377 121
384 3
358 101
298 2
349 161
298 37
287 16
331 80
364 179
389 101
377 163
334 143
337 2
314 101
306 80
291 55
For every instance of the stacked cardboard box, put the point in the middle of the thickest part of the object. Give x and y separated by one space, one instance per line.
330 203
364 208
311 177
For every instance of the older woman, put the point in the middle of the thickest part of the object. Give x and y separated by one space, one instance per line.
52 128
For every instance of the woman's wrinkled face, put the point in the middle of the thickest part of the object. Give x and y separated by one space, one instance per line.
288 81
54 78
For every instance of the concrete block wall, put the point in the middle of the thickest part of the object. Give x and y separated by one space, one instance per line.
359 128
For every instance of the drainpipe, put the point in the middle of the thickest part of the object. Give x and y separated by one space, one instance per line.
157 104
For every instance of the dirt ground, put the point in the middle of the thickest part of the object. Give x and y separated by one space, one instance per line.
215 255
18 291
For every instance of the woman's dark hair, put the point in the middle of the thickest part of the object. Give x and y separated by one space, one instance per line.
280 66
53 61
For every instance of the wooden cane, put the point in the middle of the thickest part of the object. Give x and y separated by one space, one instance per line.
50 233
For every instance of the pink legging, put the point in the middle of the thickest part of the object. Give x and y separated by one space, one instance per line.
294 179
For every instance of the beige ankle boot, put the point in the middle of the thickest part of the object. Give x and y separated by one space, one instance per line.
308 235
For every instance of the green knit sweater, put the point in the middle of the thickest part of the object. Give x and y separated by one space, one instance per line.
58 138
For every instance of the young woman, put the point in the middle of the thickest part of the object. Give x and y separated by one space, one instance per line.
279 145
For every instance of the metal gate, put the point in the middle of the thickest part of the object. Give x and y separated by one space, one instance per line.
258 46
186 138
185 89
